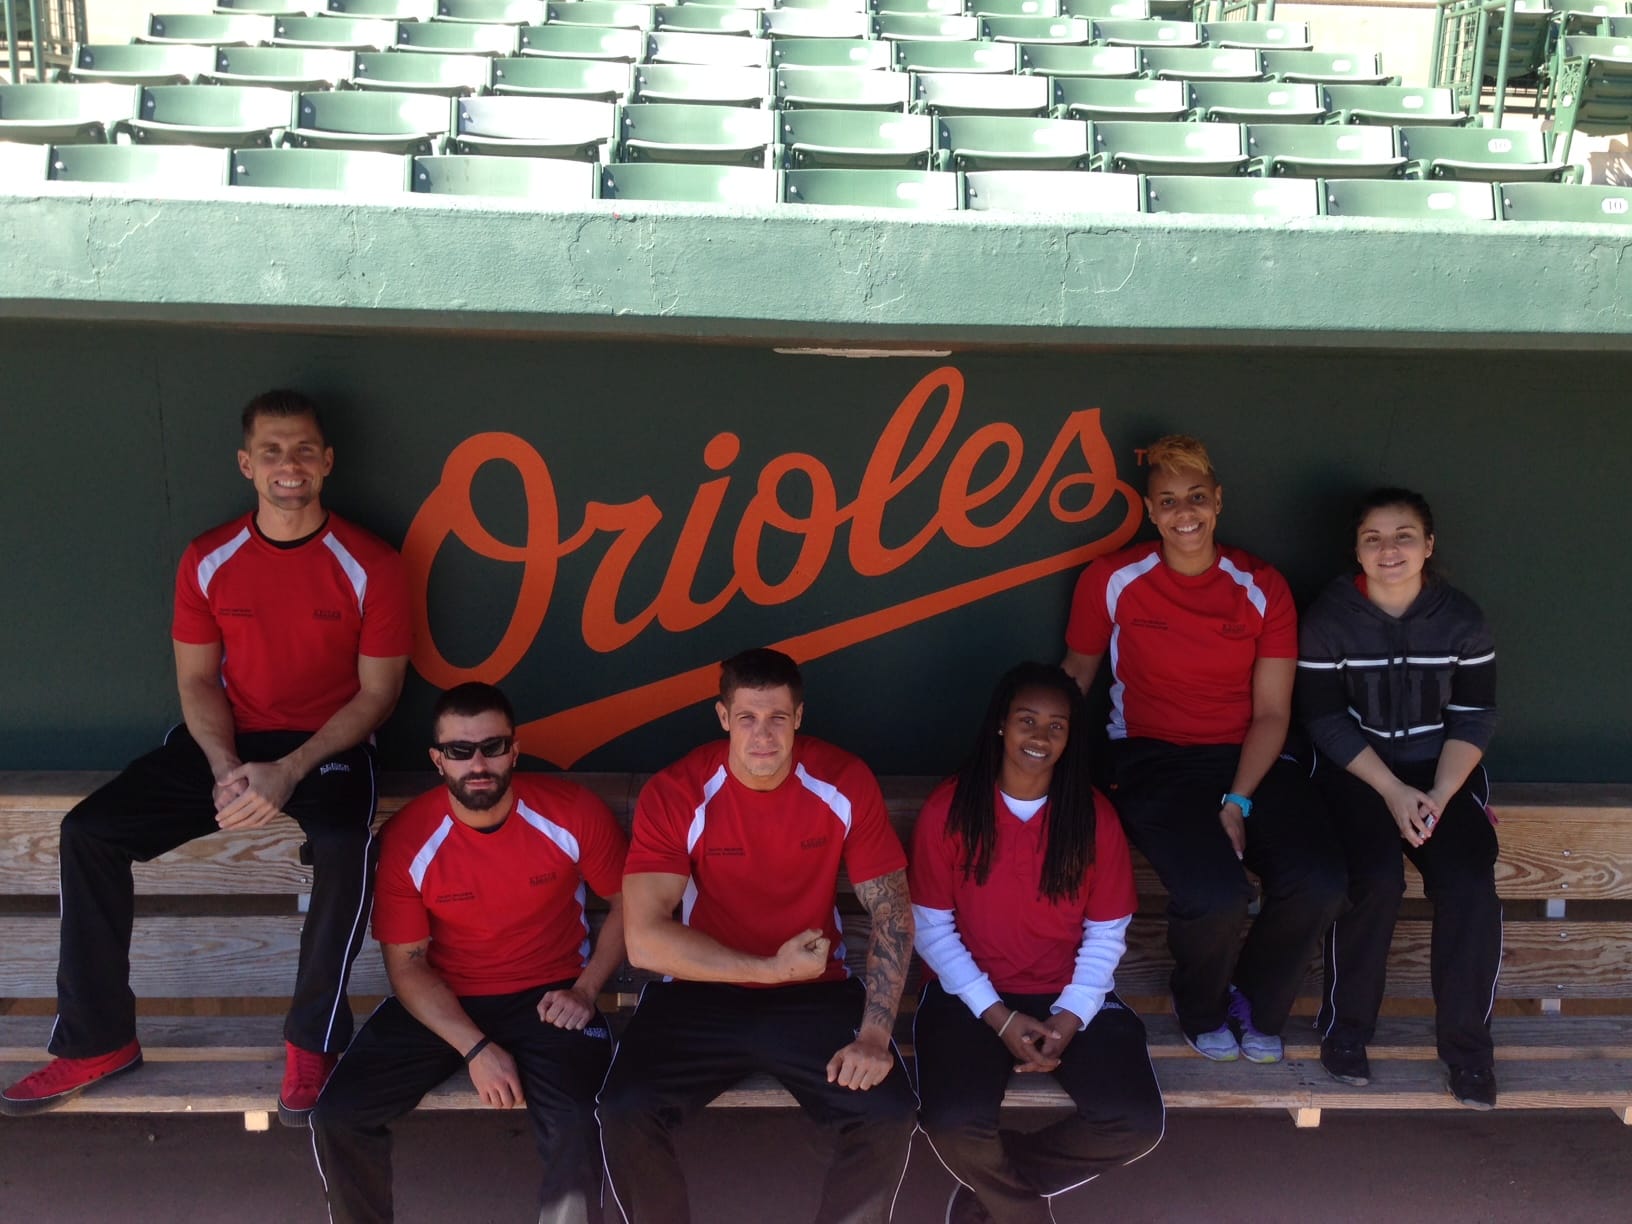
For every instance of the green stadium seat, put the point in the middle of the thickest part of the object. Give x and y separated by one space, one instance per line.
1391 104
956 57
280 67
1262 35
458 38
1119 10
703 84
448 75
386 122
1049 191
707 19
843 88
736 186
22 164
922 190
1145 33
1174 10
971 93
1004 142
601 13
1590 204
928 27
336 33
1615 27
1062 31
1097 98
1415 201
1292 150
1237 197
840 138
1326 67
138 64
860 53
1482 155
493 12
717 135
724 50
818 24
569 128
222 116
828 6
208 29
1201 63
166 167
538 180
351 171
271 8
921 8
1593 88
1584 16
1255 102
1169 148
597 80
63 114
1048 59
387 10
583 42
1014 8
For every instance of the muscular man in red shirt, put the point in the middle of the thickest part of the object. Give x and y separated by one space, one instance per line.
480 915
291 636
745 838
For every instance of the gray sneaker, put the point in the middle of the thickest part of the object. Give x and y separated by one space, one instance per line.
1218 1045
1255 1046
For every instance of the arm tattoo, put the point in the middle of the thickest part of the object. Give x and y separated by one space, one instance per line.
417 953
889 948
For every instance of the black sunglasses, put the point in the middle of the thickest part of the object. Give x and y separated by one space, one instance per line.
463 750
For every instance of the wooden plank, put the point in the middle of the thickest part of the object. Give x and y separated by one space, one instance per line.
186 956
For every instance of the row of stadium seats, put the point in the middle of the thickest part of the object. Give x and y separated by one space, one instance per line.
232 115
535 12
250 31
546 182
797 138
315 68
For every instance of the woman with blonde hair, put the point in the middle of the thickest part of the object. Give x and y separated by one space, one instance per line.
1203 649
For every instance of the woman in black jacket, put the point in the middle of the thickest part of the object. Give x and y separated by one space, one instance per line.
1397 688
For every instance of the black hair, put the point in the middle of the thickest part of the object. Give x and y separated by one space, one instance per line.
281 402
760 668
1379 498
470 699
1070 812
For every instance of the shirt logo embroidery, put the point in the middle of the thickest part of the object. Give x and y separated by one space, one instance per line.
450 898
728 851
326 614
813 843
541 879
1233 629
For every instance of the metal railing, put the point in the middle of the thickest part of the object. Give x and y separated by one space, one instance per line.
45 30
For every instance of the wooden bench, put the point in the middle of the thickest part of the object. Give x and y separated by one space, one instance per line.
218 925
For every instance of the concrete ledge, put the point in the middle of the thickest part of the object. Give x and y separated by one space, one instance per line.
810 275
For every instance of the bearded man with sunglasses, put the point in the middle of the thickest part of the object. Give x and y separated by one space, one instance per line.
479 910
291 635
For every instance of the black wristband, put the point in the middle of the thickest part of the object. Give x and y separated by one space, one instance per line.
477 1049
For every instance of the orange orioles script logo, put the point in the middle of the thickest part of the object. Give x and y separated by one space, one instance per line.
566 737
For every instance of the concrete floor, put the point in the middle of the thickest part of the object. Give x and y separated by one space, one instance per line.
752 1167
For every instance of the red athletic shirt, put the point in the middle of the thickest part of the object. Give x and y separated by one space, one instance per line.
291 622
764 865
1025 943
1182 647
504 910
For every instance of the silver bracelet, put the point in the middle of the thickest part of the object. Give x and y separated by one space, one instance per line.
1006 1023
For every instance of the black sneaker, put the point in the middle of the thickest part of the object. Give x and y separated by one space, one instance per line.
1345 1060
964 1208
1474 1087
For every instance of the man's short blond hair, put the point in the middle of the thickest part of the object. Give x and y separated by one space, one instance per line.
1180 453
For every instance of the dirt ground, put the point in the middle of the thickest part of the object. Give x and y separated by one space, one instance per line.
753 1167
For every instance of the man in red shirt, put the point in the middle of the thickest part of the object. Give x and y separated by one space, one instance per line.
291 634
746 838
480 915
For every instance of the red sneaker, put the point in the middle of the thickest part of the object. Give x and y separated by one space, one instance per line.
304 1074
62 1079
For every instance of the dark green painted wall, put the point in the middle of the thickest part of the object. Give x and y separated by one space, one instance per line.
120 443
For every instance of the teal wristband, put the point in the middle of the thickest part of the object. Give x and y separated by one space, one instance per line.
1240 801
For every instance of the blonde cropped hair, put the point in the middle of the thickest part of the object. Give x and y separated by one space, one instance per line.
1180 453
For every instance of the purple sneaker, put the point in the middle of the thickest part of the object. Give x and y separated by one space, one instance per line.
1255 1046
